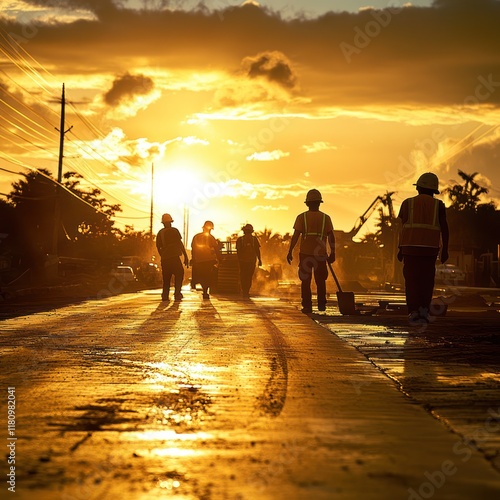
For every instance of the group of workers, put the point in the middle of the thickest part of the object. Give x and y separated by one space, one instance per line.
424 233
205 253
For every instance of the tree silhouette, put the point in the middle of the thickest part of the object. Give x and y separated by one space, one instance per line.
87 227
466 196
33 200
84 225
474 226
273 246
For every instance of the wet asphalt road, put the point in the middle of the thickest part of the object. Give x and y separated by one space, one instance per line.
128 397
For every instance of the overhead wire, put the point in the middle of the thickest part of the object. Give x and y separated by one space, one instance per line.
33 74
29 109
51 179
20 128
87 178
29 68
463 144
10 171
26 117
29 142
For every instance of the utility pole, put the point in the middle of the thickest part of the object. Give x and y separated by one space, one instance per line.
57 207
186 224
151 211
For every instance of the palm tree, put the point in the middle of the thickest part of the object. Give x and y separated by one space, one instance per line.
467 196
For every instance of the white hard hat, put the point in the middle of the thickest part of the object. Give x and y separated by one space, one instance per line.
428 181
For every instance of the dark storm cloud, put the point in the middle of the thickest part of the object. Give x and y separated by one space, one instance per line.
272 66
447 54
126 87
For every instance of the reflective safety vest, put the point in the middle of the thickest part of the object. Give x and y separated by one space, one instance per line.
422 228
309 232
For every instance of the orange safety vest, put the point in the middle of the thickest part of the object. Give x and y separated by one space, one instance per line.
422 229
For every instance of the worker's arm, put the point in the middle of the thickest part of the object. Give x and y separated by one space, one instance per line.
257 253
295 239
331 241
402 218
445 232
158 243
186 258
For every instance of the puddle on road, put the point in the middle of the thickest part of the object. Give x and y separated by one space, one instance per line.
453 371
183 409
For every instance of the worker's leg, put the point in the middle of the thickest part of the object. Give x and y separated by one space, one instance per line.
411 273
246 273
428 273
320 276
178 272
166 271
306 264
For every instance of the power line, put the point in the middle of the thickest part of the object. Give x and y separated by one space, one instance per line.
14 53
30 142
33 74
35 97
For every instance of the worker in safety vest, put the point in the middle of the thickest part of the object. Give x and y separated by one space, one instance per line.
424 230
248 251
316 228
205 254
170 247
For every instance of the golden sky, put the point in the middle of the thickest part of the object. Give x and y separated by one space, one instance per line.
243 108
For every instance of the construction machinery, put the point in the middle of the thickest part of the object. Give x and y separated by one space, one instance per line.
385 201
371 260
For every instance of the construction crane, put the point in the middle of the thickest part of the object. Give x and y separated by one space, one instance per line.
385 200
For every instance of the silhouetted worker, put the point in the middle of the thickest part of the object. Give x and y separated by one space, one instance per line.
170 247
248 251
205 253
315 228
424 225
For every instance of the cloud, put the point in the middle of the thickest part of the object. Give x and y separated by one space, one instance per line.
270 208
273 66
101 8
402 61
318 146
191 140
268 155
126 87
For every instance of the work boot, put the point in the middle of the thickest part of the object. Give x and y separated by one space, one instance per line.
414 318
178 296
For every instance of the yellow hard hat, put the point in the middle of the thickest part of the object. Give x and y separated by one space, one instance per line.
167 218
314 195
208 224
428 181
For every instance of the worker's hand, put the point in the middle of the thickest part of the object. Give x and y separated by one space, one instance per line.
331 258
260 263
444 256
289 257
400 255
186 261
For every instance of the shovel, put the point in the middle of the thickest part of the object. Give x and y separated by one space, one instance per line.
345 299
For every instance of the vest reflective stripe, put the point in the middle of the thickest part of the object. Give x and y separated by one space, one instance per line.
307 233
426 230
